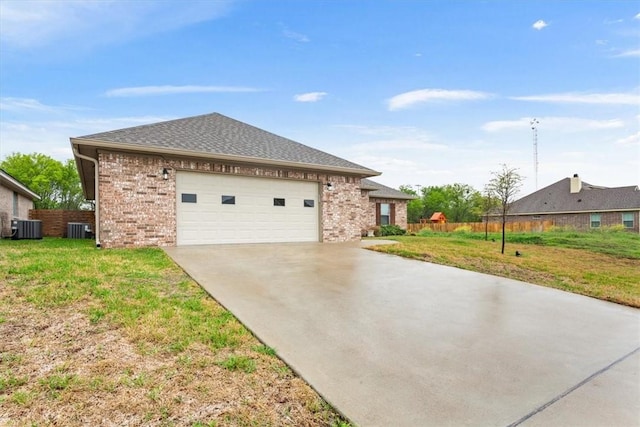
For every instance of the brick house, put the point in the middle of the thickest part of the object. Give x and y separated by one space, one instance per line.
16 199
386 205
211 179
571 202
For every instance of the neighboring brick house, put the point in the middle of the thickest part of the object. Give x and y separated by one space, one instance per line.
212 179
571 202
16 199
383 205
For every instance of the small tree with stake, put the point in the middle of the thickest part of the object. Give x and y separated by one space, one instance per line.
504 186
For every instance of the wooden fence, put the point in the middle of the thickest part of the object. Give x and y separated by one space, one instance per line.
54 222
479 227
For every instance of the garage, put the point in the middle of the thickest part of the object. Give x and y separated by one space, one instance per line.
218 209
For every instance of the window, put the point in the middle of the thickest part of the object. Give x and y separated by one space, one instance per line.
189 198
595 220
627 219
385 213
15 204
278 202
308 203
228 200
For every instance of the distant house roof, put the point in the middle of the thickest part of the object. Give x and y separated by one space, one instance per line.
558 198
13 184
212 136
382 191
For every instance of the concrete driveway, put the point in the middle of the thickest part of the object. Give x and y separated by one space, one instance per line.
391 341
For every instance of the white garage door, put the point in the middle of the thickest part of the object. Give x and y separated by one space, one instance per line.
215 209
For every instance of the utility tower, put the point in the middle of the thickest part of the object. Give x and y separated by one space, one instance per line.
534 128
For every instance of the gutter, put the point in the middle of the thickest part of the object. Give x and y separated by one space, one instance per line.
97 211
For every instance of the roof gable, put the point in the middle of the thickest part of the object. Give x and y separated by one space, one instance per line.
382 191
557 197
217 136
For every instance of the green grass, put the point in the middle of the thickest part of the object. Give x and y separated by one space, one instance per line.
604 264
614 242
139 289
173 335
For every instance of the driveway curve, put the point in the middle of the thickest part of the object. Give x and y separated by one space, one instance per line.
392 341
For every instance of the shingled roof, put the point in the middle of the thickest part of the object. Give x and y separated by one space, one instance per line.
382 191
215 135
557 198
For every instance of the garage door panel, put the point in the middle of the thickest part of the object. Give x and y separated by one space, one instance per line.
253 218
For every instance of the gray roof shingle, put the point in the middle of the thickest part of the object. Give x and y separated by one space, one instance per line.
382 191
558 198
215 134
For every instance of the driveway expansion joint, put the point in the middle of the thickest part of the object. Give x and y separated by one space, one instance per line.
574 388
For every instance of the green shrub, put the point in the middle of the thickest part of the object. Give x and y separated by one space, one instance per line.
463 229
392 230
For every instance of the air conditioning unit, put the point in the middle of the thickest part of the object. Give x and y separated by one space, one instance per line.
26 229
79 230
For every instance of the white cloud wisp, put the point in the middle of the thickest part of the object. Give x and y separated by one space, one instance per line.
584 98
539 25
409 99
310 97
173 90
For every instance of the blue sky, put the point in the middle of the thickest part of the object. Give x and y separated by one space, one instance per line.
426 92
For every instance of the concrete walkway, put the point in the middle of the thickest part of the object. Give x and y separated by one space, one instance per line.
390 341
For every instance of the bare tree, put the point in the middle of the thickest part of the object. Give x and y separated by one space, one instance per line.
504 186
488 204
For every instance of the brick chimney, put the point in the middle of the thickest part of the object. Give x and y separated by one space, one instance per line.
576 184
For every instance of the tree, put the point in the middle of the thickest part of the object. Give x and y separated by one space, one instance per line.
414 207
57 183
504 186
462 199
487 204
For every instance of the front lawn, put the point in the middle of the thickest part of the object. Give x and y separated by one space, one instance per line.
124 337
604 265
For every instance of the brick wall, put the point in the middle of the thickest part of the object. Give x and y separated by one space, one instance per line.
341 210
138 207
400 216
54 222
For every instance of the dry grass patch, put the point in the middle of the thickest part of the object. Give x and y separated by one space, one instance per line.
581 271
124 337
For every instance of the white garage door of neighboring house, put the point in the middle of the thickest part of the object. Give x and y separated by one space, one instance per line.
214 209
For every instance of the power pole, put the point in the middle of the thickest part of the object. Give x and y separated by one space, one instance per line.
534 127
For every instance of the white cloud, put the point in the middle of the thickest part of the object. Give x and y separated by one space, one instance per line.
23 104
562 124
637 16
633 139
310 96
301 38
408 99
628 53
51 135
584 98
172 90
539 24
26 24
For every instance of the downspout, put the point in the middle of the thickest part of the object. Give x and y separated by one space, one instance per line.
97 211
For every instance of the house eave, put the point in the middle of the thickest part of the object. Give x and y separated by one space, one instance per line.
91 147
13 184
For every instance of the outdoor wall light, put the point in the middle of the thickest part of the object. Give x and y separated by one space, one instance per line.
165 174
329 186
